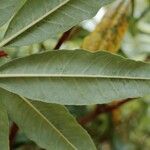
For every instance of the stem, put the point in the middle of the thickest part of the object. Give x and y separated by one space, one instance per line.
12 135
3 53
133 7
63 38
103 108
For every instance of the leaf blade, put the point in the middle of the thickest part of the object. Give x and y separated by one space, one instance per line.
58 16
45 123
88 78
4 128
8 9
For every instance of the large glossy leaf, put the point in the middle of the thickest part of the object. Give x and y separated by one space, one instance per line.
76 77
49 125
39 20
4 128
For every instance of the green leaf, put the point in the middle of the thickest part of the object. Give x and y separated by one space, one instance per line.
39 20
3 60
3 29
76 77
8 8
49 125
4 128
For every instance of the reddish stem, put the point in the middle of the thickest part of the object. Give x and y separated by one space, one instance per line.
63 38
103 108
3 54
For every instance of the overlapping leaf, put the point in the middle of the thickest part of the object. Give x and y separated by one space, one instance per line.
38 20
76 77
8 9
4 128
49 125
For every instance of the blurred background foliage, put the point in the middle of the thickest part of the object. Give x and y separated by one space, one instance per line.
129 127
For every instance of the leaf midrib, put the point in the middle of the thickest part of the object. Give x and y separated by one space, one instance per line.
5 41
46 120
69 76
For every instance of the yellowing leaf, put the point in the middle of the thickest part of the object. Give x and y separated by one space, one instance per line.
109 32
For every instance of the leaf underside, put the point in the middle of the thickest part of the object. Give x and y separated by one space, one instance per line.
49 125
39 20
4 128
76 77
